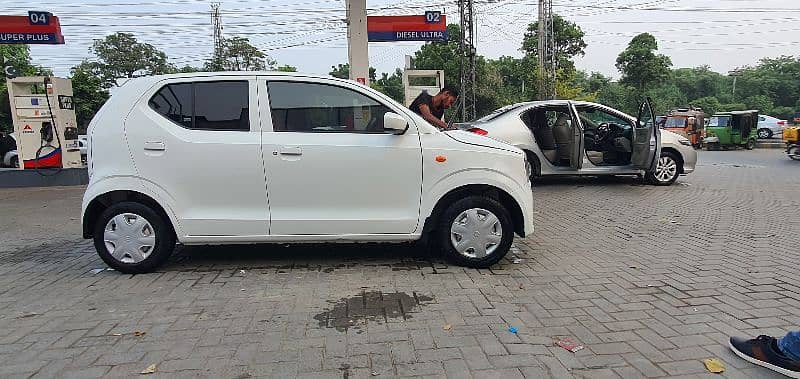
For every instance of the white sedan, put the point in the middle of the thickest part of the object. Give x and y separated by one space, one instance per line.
769 126
564 137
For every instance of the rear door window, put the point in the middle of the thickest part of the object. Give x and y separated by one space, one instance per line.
222 105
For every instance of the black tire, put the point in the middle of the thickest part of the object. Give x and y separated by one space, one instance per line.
160 252
751 144
536 167
654 180
15 162
794 152
448 218
766 133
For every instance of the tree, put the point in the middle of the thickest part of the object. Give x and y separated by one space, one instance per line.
762 103
286 68
390 85
342 71
237 54
120 55
709 104
88 92
568 39
640 65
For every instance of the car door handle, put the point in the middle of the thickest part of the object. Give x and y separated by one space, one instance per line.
286 150
155 146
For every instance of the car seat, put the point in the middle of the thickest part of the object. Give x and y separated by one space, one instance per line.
562 132
543 135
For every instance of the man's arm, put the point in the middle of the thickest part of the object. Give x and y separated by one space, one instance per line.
425 111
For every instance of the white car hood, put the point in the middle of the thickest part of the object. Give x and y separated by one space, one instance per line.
479 140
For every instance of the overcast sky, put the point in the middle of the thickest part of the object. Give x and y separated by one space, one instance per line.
311 34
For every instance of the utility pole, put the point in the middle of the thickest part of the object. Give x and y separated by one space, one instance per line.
734 73
546 50
466 48
357 43
216 21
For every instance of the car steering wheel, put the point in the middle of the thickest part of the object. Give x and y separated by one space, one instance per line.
602 132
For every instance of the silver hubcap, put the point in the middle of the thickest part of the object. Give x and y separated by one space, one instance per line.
763 133
129 238
666 169
476 233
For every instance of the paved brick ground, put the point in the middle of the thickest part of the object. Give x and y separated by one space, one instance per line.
651 280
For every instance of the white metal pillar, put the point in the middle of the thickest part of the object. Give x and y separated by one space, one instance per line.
357 44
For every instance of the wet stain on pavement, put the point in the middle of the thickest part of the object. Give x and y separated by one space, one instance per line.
356 311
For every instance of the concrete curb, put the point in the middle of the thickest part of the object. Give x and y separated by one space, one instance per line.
12 178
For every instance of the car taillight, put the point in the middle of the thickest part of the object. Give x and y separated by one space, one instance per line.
478 131
781 122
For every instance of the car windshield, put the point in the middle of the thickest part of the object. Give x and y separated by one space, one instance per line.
675 122
719 121
498 112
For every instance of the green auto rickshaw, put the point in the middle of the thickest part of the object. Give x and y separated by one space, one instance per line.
731 129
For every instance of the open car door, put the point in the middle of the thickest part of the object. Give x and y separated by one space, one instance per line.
576 153
647 139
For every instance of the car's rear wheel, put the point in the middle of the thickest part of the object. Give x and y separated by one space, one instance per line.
764 133
475 231
667 170
132 238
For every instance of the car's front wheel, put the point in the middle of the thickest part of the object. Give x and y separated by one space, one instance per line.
132 238
764 133
667 170
475 231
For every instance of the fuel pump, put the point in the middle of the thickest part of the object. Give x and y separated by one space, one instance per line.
44 122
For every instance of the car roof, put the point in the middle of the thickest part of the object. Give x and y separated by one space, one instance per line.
207 74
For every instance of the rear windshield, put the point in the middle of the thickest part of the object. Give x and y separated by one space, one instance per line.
719 121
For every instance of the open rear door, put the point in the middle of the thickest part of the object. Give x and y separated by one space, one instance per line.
647 139
576 155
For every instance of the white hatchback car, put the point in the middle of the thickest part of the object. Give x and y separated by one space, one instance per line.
218 158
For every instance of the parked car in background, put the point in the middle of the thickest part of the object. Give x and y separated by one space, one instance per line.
8 150
306 159
83 145
580 138
769 126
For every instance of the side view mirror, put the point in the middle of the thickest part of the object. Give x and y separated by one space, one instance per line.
395 123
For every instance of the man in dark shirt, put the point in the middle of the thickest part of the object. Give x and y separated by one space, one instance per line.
431 108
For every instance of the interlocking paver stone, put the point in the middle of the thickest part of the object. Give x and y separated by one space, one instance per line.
650 279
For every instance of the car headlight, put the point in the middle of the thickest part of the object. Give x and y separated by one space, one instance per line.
685 142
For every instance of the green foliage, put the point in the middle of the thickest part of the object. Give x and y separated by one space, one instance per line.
762 103
342 71
568 38
783 113
639 64
237 54
709 104
88 92
732 107
286 68
120 55
390 85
